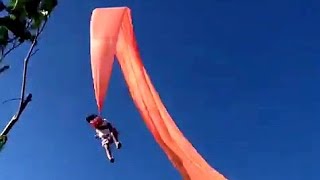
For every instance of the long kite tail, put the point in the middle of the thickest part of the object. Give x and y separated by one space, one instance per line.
112 34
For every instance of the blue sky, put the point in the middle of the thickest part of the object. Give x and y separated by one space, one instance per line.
241 79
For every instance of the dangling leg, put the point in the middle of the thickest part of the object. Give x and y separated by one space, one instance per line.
106 145
114 135
109 154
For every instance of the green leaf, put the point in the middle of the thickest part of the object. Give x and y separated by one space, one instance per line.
31 7
12 16
16 4
37 21
4 36
16 26
3 141
48 5
17 8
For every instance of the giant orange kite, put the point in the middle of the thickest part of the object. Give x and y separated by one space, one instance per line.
112 35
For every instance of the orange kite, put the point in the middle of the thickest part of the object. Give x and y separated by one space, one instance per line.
112 34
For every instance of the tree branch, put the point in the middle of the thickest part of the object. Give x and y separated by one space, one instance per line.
5 53
24 101
16 117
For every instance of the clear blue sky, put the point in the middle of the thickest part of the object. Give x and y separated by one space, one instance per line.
241 79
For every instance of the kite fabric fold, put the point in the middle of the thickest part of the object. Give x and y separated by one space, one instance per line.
112 34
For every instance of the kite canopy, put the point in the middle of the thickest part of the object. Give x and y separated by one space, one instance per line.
112 34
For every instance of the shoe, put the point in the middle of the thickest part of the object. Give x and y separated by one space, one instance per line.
119 145
112 160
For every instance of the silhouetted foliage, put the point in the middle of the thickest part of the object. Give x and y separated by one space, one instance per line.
22 21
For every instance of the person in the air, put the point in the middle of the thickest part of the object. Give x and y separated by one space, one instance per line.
105 132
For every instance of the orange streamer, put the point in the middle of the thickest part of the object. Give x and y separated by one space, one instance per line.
112 34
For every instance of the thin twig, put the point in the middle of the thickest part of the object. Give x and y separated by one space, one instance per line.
34 52
24 101
12 99
4 68
14 46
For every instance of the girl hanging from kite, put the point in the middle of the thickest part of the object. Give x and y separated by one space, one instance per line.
105 132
